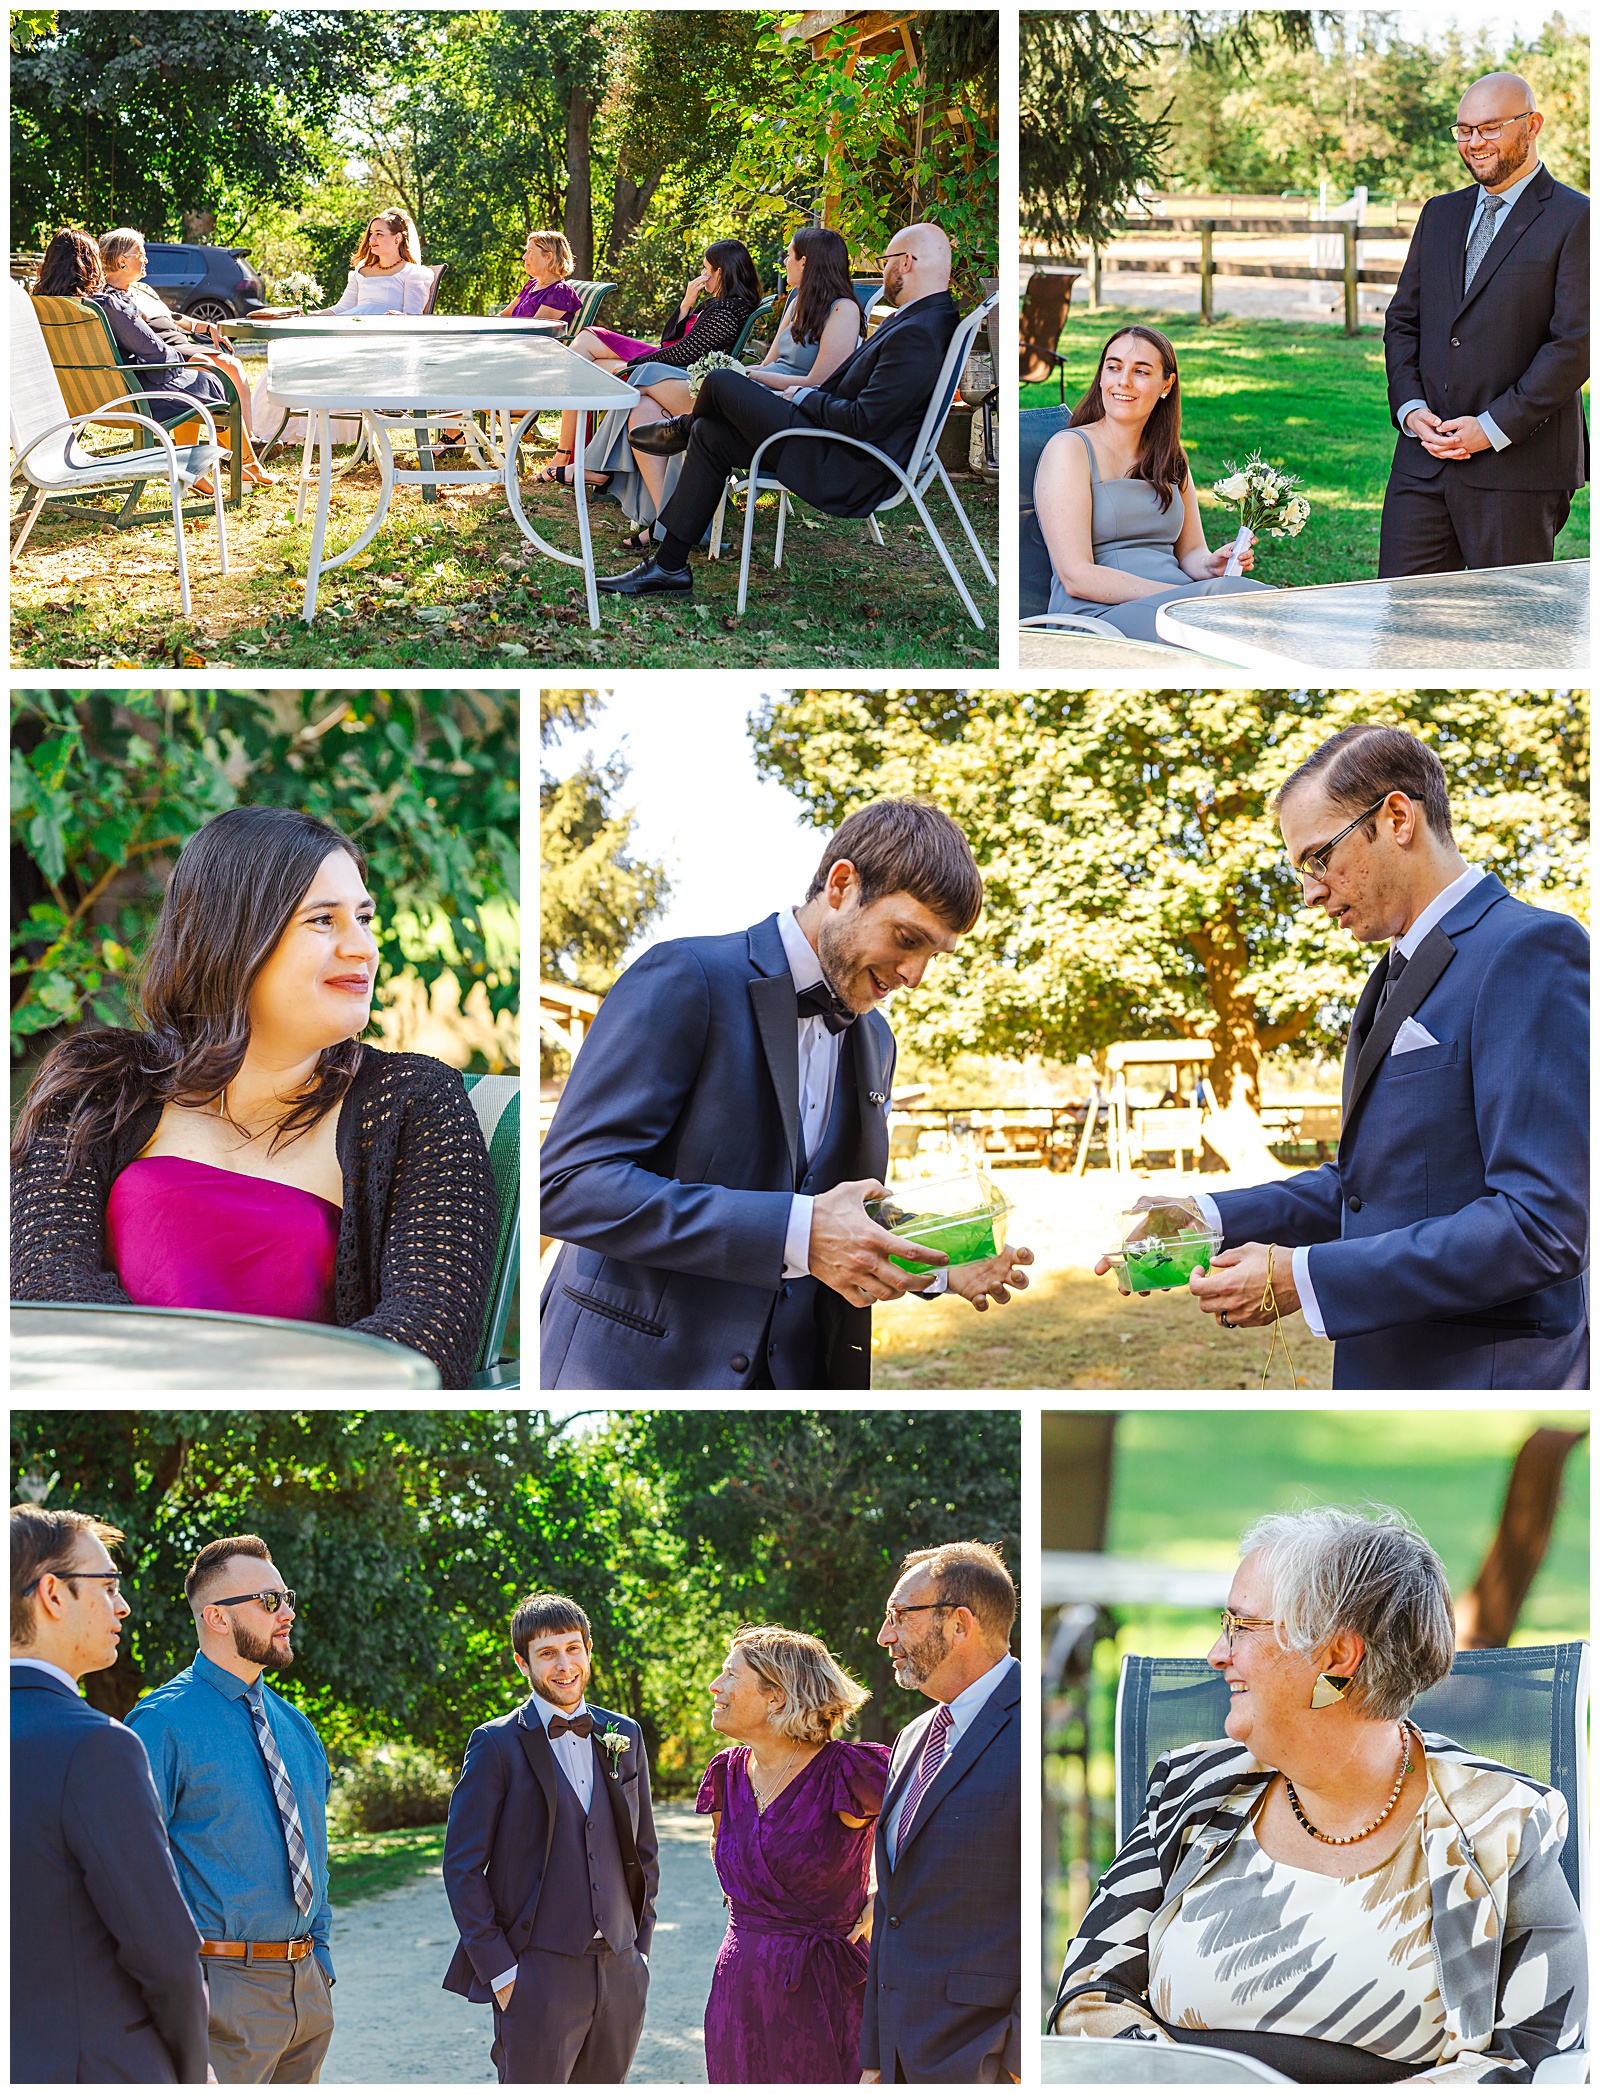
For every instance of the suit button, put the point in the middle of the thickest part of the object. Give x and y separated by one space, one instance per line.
739 1363
894 1919
1455 341
786 1290
1355 1203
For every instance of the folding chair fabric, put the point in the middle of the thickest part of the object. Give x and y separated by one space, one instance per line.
497 1103
83 351
1036 427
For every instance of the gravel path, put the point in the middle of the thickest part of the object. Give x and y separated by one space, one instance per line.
394 2021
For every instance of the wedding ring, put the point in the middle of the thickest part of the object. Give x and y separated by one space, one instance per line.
1226 1325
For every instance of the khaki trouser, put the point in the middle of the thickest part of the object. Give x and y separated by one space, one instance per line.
269 2021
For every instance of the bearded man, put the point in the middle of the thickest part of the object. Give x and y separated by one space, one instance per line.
243 1782
725 1123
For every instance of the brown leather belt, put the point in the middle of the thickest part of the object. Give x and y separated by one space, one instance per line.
265 1951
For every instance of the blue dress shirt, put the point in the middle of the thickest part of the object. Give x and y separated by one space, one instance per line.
222 1817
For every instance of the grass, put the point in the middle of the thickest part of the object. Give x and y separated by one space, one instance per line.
1309 398
452 585
362 1864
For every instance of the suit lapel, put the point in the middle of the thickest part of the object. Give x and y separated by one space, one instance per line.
1360 1025
966 1750
873 1059
1527 208
777 1016
536 1748
632 1873
1424 968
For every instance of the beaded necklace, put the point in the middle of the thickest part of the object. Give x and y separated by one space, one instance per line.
1330 1839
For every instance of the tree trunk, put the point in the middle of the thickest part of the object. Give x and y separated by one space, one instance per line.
629 203
1236 1047
577 217
1486 1615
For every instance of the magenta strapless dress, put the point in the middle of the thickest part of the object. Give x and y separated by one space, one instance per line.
186 1235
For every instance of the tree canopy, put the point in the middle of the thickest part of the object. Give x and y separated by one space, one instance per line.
595 897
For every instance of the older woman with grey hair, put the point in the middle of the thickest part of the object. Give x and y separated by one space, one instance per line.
1330 1889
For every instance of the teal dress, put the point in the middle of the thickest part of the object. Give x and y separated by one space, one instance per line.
1135 527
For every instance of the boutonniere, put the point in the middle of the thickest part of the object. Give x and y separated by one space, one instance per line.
616 1742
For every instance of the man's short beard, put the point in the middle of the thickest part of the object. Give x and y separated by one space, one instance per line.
836 954
1505 166
263 1652
929 1656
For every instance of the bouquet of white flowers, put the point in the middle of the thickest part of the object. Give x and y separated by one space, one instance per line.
1266 502
299 289
714 360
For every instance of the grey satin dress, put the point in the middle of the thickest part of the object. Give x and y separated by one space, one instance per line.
1136 530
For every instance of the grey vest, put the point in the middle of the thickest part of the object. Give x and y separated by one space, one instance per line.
584 1889
792 1338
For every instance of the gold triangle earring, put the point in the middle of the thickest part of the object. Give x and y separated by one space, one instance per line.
1329 1689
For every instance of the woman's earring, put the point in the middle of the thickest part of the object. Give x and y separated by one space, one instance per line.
1328 1690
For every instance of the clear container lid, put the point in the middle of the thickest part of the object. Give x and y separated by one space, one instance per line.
960 1198
1143 1226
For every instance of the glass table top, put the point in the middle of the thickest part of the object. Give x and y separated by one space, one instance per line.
103 1350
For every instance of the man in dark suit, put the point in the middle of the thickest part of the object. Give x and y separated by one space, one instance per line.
1446 1247
944 1976
105 1960
551 1869
1487 346
724 1123
879 394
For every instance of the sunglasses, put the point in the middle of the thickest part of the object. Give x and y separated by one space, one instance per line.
272 1601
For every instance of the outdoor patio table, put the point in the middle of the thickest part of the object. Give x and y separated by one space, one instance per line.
1081 658
106 1350
1481 625
397 376
356 325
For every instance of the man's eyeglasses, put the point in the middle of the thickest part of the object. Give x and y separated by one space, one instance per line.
1463 134
1315 863
272 1601
112 1580
892 1615
895 254
1233 1623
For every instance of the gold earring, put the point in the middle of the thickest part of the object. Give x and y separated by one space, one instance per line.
1329 1689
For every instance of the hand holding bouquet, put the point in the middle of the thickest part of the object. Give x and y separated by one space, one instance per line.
300 289
715 360
1266 502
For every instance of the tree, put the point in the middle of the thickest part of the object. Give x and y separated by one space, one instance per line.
1086 139
1135 879
595 898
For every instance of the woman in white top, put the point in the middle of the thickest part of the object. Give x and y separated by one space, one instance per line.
387 275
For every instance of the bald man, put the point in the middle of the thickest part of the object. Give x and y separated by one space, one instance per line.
879 395
1487 346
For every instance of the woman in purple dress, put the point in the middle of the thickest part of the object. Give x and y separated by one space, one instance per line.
793 1809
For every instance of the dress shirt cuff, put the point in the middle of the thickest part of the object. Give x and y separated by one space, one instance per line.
1492 429
1300 1265
504 1978
801 391
1410 407
1208 1207
797 1239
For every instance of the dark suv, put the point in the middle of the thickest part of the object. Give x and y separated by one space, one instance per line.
208 283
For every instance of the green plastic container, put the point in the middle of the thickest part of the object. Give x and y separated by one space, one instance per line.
958 1216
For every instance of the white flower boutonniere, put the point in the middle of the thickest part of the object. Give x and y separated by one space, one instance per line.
616 1742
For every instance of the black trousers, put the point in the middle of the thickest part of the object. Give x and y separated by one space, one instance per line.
571 2020
732 415
1444 526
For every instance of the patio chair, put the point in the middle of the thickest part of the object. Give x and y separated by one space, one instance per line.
93 372
47 454
915 478
497 1101
1036 426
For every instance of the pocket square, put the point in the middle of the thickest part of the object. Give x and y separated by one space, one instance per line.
1411 1036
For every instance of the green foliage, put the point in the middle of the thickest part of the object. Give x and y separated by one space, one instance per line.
1087 138
106 788
1135 880
595 899
390 1788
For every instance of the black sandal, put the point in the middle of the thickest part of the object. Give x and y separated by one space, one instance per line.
568 476
640 541
554 470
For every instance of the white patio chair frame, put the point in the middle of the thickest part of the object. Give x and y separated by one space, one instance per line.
39 383
915 479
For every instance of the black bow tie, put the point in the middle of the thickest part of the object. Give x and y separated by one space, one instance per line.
580 1726
819 1001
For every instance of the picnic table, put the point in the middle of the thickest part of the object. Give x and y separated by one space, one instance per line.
106 1350
399 375
1489 622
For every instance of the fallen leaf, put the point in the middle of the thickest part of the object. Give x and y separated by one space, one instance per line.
188 659
514 649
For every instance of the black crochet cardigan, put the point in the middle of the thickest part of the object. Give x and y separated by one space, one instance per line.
416 1245
691 335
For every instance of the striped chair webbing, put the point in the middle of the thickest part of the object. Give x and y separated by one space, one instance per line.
497 1101
84 354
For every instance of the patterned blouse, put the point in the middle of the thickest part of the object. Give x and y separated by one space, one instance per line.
1263 1945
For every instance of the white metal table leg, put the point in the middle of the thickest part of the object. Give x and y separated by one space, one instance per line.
580 487
319 530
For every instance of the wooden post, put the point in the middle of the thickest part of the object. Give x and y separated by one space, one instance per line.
1207 266
1094 279
1352 293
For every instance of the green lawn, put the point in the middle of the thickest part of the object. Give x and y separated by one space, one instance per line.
362 1864
451 585
1310 399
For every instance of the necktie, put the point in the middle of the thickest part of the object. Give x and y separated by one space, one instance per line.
1482 234
580 1726
932 1760
819 1001
1397 967
294 1838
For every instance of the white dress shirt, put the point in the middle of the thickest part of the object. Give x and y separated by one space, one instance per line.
55 1671
1487 423
962 1710
574 1756
1408 941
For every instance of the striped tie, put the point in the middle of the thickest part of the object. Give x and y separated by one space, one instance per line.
932 1760
294 1838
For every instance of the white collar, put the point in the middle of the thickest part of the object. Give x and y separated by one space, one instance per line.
1439 908
1506 196
798 950
546 1709
55 1671
972 1698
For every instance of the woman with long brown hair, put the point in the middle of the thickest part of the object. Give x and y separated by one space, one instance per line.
1116 500
242 1148
386 270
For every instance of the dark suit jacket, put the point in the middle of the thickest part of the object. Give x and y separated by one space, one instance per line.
1451 1234
1516 346
502 1819
880 394
944 1975
105 1960
670 1168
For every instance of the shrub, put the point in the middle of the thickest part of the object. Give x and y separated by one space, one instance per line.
389 1787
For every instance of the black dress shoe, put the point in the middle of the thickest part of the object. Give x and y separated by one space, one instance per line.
662 439
649 578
